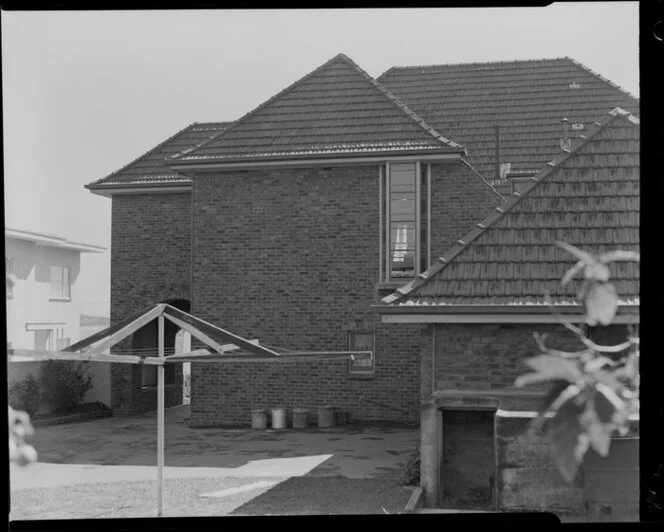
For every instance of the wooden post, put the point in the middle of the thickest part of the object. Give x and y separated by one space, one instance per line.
160 421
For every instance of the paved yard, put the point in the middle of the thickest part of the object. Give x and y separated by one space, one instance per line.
106 468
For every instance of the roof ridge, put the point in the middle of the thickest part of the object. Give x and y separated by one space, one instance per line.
402 106
602 78
501 210
510 61
149 152
259 107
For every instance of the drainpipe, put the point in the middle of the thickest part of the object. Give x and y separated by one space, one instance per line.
433 358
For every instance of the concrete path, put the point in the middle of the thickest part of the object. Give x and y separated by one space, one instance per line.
216 464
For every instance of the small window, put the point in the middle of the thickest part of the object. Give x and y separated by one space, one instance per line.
60 282
9 270
362 341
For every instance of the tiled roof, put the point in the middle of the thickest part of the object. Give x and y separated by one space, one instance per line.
526 99
588 198
338 109
152 168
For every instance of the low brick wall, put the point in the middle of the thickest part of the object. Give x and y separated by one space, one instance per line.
527 476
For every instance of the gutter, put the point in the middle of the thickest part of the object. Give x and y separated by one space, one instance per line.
190 166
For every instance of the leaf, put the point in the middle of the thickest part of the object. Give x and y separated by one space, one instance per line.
596 364
616 401
568 442
597 272
556 390
599 434
583 256
612 256
571 273
555 367
601 303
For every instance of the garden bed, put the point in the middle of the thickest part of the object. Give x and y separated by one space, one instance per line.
83 412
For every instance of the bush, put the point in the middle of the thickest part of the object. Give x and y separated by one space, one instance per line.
64 384
411 474
25 395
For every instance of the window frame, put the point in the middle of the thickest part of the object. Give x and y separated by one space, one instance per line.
63 268
385 221
362 373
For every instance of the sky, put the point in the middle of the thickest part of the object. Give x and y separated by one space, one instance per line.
86 92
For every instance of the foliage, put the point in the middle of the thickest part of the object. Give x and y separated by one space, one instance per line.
594 390
26 395
19 429
411 474
64 384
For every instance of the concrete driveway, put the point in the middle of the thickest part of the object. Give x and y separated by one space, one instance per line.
210 471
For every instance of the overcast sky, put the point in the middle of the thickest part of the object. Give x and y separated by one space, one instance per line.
87 92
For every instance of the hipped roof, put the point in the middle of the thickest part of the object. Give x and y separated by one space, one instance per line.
526 99
588 197
338 109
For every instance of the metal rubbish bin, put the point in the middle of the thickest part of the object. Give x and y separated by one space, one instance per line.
258 419
278 418
300 418
326 416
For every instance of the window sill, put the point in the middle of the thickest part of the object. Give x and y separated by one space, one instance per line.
155 387
361 376
65 299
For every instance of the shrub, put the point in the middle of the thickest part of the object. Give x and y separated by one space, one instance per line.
64 384
25 395
411 473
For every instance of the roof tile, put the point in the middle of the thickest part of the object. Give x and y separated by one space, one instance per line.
527 99
583 200
336 109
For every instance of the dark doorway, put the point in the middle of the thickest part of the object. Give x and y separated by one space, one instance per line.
145 340
468 461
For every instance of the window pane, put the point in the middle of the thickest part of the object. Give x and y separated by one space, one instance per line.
403 263
402 235
65 281
402 207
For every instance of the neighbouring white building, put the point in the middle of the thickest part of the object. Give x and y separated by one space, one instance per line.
44 304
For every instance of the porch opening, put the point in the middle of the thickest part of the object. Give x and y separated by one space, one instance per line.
468 461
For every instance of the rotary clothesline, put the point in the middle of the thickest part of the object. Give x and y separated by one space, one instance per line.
238 349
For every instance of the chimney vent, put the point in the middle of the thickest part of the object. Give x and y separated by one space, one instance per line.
565 142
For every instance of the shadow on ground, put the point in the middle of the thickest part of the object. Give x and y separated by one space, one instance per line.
327 496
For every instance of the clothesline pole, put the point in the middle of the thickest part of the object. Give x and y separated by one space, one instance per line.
160 421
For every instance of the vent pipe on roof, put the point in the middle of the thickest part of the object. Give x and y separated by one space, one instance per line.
497 176
565 142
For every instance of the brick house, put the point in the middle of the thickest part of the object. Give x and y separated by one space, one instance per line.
289 223
485 298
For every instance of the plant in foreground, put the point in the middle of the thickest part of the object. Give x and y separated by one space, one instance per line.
596 389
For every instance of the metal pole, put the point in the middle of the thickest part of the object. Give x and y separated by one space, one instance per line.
160 421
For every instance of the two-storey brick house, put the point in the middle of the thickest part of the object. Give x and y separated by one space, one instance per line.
287 224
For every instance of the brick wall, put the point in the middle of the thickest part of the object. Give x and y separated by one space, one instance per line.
291 257
459 200
490 356
150 263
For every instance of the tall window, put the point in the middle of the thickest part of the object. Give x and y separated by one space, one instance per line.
60 284
406 241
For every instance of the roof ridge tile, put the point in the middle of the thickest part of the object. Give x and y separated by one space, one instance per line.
407 110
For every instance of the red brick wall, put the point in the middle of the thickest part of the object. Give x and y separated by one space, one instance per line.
150 263
291 257
459 200
490 356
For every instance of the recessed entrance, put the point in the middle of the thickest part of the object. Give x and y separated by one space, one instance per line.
468 459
